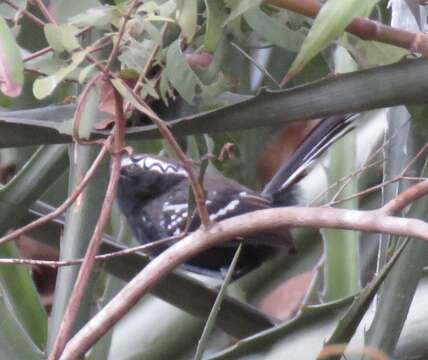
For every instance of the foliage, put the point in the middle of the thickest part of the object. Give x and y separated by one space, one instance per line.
214 70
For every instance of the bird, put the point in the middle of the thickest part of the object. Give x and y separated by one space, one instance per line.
153 195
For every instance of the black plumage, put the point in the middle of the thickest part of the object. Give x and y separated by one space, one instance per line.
154 191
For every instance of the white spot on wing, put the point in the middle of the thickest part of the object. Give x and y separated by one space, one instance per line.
174 207
229 207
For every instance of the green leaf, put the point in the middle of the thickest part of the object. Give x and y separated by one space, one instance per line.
80 223
216 13
97 16
41 171
61 37
209 325
238 7
180 73
347 326
372 53
273 30
45 86
14 342
186 17
11 65
333 18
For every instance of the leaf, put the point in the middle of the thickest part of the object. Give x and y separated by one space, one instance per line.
11 65
333 18
209 325
238 7
86 72
371 53
61 37
180 74
347 326
186 17
99 17
216 15
41 171
273 30
45 86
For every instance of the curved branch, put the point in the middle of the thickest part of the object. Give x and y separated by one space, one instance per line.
200 240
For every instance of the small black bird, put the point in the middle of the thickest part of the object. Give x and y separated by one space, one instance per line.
154 191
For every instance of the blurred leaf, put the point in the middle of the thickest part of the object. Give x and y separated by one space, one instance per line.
342 258
43 168
7 11
273 30
238 7
331 21
388 85
11 65
216 15
86 73
371 53
299 338
167 340
209 325
399 289
97 16
14 342
347 326
136 54
180 73
81 219
61 37
45 86
187 16
64 9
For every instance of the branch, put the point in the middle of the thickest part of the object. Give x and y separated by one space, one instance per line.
364 28
95 242
243 225
65 205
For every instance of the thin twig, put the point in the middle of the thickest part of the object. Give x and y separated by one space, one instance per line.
400 177
65 205
79 109
116 45
47 49
95 242
261 68
185 162
29 15
405 198
103 257
46 13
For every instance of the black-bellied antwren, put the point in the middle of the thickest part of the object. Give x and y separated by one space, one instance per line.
154 191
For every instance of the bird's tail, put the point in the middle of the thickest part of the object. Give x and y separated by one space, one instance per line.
326 133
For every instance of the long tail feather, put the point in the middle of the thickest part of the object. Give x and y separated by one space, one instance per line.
326 133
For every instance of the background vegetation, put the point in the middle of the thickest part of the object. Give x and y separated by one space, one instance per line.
219 72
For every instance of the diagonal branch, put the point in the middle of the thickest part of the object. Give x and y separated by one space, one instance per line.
95 242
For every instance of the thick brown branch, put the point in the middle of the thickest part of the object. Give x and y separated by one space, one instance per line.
364 28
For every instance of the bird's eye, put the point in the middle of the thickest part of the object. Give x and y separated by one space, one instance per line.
130 170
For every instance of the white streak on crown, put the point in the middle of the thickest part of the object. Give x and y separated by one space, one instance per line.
154 164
